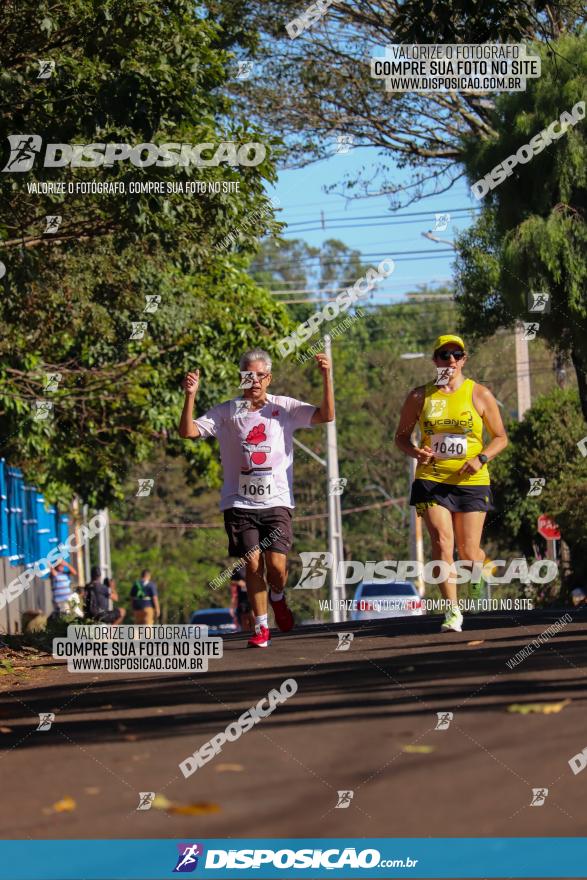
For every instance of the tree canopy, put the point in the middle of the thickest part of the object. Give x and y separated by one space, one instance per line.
125 72
531 234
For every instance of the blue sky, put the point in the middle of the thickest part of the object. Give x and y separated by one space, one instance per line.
302 197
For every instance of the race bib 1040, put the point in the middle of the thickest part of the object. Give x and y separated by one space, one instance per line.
449 445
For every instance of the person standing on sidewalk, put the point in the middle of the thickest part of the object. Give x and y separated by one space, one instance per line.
255 433
61 587
451 489
145 601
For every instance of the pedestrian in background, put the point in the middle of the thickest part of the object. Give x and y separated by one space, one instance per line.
61 587
145 602
239 600
98 594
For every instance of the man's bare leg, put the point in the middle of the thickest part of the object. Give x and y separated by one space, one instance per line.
276 568
256 586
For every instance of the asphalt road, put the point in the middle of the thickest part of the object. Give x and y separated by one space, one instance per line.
362 720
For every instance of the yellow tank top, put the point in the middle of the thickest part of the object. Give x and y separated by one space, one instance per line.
452 427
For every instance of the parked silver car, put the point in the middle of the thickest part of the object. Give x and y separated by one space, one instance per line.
378 599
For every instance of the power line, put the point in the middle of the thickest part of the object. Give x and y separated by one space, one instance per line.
396 218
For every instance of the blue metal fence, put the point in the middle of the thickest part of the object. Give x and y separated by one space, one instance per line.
29 528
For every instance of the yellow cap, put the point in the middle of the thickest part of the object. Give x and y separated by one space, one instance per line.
444 340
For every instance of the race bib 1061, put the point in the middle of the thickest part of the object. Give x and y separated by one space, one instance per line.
256 486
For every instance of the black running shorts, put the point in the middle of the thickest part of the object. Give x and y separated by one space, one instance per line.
457 499
266 529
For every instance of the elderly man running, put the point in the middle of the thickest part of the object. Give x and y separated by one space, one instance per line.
255 433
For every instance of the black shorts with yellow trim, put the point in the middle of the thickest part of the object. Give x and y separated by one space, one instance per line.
457 499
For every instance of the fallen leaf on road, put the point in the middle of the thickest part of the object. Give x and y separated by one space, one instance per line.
228 768
193 809
65 805
5 729
130 737
542 708
160 802
91 789
6 667
477 642
418 750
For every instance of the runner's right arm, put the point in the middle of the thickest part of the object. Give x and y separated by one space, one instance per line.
187 427
407 422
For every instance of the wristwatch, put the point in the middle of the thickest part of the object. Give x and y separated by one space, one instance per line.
482 458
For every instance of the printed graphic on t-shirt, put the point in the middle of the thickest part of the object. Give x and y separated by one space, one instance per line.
256 478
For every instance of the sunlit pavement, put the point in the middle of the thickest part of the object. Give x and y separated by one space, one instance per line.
363 721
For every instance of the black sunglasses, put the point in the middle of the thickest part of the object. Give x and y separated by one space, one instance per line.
446 355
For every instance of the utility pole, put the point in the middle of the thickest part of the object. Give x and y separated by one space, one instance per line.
522 371
416 542
335 545
104 547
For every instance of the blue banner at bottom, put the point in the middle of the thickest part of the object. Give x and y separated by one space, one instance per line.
286 858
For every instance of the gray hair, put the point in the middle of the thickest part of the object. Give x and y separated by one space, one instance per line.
256 354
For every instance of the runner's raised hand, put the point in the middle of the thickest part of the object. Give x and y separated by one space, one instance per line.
191 383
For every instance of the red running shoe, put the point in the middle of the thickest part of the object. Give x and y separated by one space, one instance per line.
261 639
283 616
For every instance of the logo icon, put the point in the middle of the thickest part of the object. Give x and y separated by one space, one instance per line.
344 143
247 379
52 381
242 406
152 301
530 330
43 410
441 222
344 641
52 223
344 799
145 487
23 150
436 408
187 860
46 719
337 485
582 445
538 302
316 566
2 269
539 795
46 69
444 719
537 484
138 329
443 375
146 799
245 69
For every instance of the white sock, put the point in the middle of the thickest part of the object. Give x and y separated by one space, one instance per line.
260 620
275 596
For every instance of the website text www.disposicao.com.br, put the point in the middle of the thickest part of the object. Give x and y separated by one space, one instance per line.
329 859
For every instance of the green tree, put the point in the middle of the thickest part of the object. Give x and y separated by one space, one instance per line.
126 71
532 232
318 85
544 445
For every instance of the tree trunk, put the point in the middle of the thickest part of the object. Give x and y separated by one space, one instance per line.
580 365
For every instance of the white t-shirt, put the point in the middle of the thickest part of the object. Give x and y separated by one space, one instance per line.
256 449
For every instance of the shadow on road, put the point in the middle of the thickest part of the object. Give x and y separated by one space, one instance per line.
401 678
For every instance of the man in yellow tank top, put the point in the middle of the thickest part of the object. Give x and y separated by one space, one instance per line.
452 490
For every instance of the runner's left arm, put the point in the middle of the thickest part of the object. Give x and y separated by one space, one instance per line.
325 412
486 405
